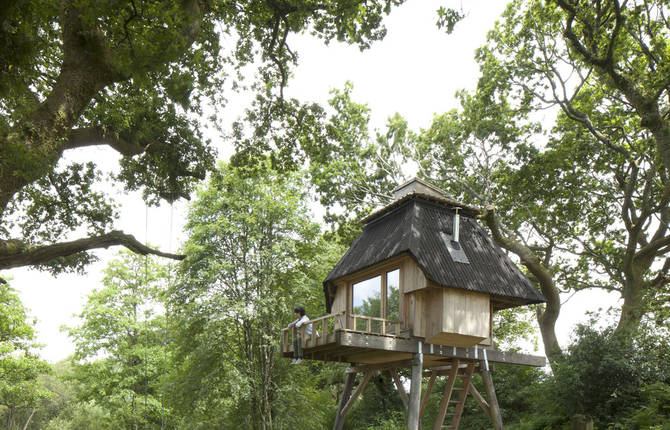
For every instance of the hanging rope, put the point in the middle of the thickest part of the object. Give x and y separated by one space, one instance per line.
146 294
165 331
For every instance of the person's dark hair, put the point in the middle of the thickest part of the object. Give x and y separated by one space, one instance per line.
300 310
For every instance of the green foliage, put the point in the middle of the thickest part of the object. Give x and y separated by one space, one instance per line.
135 76
621 384
20 367
379 407
253 255
121 358
602 375
655 410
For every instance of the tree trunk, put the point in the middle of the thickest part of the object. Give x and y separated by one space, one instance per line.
546 317
25 427
10 417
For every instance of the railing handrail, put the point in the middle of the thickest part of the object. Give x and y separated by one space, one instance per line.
316 320
374 318
323 331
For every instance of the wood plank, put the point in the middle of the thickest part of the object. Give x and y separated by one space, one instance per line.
400 388
346 393
480 399
426 394
383 366
494 409
348 339
413 422
358 391
377 357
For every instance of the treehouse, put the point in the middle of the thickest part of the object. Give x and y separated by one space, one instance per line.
422 281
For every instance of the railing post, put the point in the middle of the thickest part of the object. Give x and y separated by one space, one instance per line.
324 331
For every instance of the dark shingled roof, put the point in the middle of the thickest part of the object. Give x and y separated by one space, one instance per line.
414 227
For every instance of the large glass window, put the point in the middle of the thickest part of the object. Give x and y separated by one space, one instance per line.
367 297
379 297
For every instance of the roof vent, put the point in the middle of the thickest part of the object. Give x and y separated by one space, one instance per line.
457 225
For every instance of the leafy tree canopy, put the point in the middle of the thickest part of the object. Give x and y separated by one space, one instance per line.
121 359
253 254
132 76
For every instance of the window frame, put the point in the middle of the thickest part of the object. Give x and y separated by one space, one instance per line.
382 272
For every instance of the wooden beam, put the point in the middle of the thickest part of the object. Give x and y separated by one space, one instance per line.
443 370
358 391
400 388
429 388
346 393
480 399
397 344
376 356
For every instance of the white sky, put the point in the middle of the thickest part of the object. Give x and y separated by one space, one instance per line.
415 71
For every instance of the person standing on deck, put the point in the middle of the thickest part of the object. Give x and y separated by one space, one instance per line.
300 319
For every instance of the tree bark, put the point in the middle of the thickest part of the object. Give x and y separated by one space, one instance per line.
546 317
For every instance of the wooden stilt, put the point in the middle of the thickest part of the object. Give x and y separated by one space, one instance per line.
357 393
400 388
415 391
480 399
429 388
496 417
346 394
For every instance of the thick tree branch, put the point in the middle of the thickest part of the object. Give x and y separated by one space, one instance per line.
653 247
22 255
547 318
94 136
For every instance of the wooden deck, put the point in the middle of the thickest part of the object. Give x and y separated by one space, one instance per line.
379 342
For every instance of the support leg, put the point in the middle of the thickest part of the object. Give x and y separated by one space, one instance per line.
415 390
346 393
494 409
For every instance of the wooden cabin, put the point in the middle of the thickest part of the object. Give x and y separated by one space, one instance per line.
422 268
418 288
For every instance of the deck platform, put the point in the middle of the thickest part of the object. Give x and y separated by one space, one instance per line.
369 346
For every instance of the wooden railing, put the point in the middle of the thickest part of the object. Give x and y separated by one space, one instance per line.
374 325
324 328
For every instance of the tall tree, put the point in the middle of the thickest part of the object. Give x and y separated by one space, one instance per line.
583 202
121 358
20 390
605 67
131 76
252 251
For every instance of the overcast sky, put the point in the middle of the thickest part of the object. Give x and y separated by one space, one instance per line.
415 71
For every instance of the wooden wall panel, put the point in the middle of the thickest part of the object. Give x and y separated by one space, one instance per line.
456 317
412 276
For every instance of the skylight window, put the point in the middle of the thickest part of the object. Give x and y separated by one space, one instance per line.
455 248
